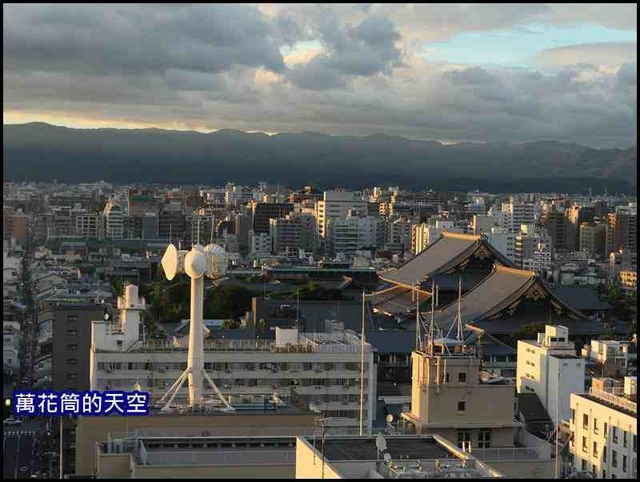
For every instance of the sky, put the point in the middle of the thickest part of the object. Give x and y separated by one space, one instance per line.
444 72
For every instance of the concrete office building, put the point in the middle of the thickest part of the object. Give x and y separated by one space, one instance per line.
114 222
403 457
604 429
63 335
353 233
593 239
296 231
247 442
453 398
336 204
313 368
264 212
517 213
89 225
622 229
550 367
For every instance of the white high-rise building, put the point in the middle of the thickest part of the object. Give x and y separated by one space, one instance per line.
550 367
336 204
114 220
517 213
604 429
260 243
321 371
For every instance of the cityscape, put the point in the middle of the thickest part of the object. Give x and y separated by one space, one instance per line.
331 286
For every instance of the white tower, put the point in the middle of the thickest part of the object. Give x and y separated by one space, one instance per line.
210 261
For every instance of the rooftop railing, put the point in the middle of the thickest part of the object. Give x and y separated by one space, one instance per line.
615 400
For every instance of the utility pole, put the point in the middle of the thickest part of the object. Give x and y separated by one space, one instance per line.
61 450
361 372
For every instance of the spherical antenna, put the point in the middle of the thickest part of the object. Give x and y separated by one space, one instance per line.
389 418
387 457
195 263
170 262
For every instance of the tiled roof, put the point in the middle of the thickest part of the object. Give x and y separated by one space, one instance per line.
445 253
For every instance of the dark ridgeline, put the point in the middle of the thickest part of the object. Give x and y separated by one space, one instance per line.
41 152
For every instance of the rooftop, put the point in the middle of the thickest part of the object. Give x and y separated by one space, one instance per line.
364 448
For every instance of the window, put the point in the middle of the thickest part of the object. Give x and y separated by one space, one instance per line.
484 438
614 458
624 439
624 463
573 415
585 448
464 437
585 421
606 430
462 377
615 434
635 443
72 347
446 378
604 474
72 332
72 376
604 453
595 426
595 449
72 318
584 465
72 361
462 406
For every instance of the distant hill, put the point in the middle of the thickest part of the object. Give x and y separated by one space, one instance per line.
42 152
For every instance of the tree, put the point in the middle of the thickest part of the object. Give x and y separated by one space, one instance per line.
528 331
227 302
231 324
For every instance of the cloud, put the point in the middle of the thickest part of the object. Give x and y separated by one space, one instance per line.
339 69
606 53
364 50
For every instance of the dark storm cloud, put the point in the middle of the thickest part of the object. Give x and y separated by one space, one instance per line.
220 66
365 50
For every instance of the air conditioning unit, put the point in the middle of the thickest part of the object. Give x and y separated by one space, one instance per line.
162 369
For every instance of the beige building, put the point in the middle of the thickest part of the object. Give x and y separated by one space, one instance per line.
604 428
386 457
336 204
111 446
453 398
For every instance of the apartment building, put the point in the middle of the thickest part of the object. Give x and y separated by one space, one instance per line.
517 213
314 368
63 337
604 428
622 229
550 368
89 225
336 204
353 232
114 220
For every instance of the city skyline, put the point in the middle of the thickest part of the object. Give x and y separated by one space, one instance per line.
449 73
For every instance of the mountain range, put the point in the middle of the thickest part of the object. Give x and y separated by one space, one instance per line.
43 152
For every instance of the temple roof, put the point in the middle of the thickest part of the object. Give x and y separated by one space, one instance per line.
447 252
498 293
396 299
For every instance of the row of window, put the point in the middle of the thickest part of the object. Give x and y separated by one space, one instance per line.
484 438
614 430
235 367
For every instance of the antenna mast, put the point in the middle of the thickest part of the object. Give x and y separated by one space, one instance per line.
362 370
433 304
459 319
417 316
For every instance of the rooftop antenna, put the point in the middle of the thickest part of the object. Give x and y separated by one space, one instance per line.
297 306
198 240
459 318
417 317
431 324
212 262
362 370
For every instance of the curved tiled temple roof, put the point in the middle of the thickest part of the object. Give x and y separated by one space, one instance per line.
446 253
498 296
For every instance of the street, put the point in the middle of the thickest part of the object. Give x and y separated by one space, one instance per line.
18 450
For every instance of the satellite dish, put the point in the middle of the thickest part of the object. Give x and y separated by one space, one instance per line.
170 262
195 263
387 457
381 443
389 418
